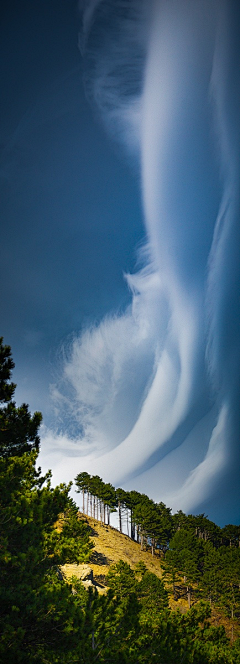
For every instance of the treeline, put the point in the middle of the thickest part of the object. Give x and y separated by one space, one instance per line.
146 521
143 520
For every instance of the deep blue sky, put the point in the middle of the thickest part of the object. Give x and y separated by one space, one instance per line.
70 205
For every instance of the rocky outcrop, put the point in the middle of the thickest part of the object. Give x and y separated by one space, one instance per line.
83 572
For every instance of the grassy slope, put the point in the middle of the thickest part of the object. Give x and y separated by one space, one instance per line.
110 546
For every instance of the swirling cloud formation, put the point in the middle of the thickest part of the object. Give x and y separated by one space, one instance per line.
154 392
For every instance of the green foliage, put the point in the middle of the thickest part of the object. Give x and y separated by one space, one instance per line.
140 568
229 569
82 482
40 619
153 599
231 535
210 582
35 606
73 540
6 366
186 553
18 429
121 579
145 515
99 494
157 634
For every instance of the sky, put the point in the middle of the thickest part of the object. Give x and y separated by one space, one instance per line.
119 179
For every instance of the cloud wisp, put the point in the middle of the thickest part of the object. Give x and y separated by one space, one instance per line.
153 392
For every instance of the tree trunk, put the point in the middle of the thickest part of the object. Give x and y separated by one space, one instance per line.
120 516
232 616
132 528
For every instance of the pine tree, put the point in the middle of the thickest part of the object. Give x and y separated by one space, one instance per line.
18 429
82 482
185 556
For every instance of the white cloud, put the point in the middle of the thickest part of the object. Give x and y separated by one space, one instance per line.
132 382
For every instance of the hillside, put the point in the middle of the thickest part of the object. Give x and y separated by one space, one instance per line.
110 546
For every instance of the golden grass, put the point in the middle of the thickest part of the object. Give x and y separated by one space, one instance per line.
110 546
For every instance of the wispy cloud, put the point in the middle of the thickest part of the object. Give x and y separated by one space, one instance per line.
156 387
